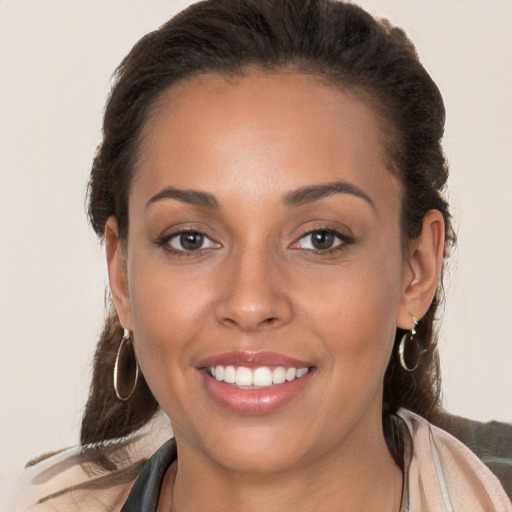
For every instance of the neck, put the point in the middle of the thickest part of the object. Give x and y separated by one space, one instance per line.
359 477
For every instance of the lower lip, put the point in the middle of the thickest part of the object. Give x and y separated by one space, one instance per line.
255 401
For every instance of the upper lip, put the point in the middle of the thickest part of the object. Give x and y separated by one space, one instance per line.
253 360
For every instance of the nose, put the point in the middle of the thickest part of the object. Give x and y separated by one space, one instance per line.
256 295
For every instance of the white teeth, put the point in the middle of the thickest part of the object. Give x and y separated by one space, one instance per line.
262 377
301 372
243 376
258 377
291 373
279 375
229 374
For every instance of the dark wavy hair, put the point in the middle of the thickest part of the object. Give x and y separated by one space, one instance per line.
336 41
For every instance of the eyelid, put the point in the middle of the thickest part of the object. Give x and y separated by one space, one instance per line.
177 236
163 241
343 239
336 243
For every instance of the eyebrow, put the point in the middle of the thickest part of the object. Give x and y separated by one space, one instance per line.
193 197
310 194
301 196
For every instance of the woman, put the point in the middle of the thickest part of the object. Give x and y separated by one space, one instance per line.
269 190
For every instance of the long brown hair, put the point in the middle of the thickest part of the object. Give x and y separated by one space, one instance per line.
334 40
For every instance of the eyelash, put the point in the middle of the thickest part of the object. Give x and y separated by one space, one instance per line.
343 240
163 242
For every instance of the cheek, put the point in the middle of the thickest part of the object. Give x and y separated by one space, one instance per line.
166 324
355 310
168 310
166 298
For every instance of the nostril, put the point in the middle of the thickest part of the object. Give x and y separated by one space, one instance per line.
252 311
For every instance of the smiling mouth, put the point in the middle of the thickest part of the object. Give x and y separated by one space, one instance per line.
256 378
255 382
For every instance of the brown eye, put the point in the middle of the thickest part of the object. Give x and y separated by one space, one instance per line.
191 241
322 240
188 241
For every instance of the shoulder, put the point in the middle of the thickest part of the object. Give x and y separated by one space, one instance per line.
62 481
446 475
72 481
490 441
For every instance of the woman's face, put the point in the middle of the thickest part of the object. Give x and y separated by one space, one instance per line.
264 238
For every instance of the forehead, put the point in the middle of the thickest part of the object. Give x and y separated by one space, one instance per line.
263 133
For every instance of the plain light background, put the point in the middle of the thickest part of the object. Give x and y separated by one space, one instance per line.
56 59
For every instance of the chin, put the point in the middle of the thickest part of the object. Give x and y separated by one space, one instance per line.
264 449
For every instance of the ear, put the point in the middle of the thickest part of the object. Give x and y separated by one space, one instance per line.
117 273
423 270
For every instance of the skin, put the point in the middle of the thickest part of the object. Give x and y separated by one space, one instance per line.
258 283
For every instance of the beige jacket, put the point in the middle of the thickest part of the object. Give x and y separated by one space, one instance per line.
443 475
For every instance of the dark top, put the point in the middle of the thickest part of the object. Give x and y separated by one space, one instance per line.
146 489
145 492
492 443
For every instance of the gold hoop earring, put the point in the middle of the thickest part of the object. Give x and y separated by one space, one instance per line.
125 365
401 348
